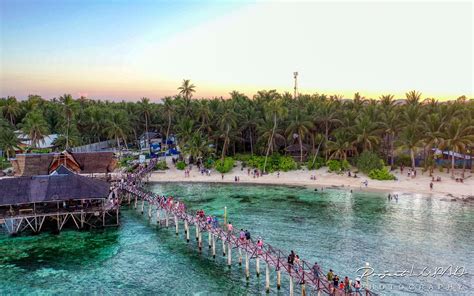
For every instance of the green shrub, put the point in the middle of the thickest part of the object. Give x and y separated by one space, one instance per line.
287 163
334 165
345 165
209 163
125 161
180 165
381 174
225 166
368 161
242 157
317 164
161 165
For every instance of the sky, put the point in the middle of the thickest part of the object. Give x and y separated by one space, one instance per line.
115 49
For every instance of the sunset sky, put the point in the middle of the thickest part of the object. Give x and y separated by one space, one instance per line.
133 49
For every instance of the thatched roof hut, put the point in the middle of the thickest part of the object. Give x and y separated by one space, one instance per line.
33 164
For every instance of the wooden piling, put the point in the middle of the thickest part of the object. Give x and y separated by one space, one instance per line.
187 230
267 278
240 257
258 266
149 211
200 241
158 215
209 239
223 246
213 246
135 204
291 286
197 231
229 254
247 270
278 279
143 205
167 219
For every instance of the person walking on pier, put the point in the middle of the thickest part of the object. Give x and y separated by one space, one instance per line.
296 263
247 235
230 228
347 286
316 270
215 223
242 236
260 245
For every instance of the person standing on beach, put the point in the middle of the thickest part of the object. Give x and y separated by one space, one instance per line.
431 185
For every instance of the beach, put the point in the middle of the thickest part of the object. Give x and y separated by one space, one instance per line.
447 188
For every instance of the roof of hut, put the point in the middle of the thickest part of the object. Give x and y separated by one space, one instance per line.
296 148
32 164
23 190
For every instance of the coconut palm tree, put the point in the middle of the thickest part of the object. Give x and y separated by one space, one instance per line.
145 111
365 131
117 127
341 145
410 139
69 107
187 89
8 139
390 126
11 109
35 126
300 126
327 116
458 136
168 110
274 110
227 122
198 146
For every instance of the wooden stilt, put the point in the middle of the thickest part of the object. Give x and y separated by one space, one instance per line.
247 270
223 246
176 224
158 215
167 222
200 241
240 256
278 279
267 278
209 239
291 286
229 254
135 203
143 206
149 211
258 266
187 232
213 246
197 231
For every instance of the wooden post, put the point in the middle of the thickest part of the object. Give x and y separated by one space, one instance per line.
278 279
267 278
135 204
291 286
258 266
143 205
213 246
223 246
247 270
176 224
240 257
158 216
187 232
167 222
200 241
209 239
149 211
197 231
229 254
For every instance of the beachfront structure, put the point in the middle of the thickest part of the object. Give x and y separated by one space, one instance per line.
150 139
33 164
56 201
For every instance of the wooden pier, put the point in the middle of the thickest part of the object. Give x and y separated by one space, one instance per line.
273 258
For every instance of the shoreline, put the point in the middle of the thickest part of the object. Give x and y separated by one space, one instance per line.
447 189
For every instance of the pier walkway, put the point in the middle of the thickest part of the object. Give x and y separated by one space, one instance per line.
175 212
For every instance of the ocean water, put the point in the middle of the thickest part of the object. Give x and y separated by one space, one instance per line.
336 228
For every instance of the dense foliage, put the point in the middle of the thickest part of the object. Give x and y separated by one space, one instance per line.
368 161
225 165
337 166
275 162
263 126
180 165
381 174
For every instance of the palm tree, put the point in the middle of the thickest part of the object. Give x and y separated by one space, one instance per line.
187 89
145 110
8 139
35 126
227 122
299 125
390 126
11 109
117 127
410 139
274 110
341 145
68 113
168 110
327 115
365 132
458 136
197 146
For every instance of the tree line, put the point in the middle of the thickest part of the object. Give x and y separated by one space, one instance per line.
323 126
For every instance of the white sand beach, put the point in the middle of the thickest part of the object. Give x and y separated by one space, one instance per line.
446 188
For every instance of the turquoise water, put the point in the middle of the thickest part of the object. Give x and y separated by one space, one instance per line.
340 230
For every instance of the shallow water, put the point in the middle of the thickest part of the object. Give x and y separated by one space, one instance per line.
340 230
